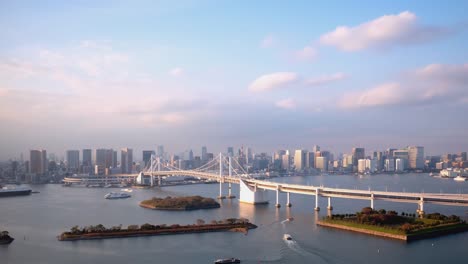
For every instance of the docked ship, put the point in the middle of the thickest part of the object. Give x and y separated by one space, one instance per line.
14 191
226 261
116 195
460 178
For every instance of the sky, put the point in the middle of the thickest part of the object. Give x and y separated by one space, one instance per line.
265 74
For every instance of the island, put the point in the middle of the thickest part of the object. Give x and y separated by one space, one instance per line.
5 238
389 224
180 203
101 232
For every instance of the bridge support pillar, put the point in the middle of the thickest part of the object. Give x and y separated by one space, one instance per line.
421 207
288 202
372 201
230 195
251 195
221 196
329 207
159 181
278 205
317 208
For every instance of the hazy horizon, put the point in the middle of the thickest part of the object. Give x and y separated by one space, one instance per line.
266 75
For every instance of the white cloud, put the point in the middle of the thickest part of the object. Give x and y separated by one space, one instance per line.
326 79
434 83
176 72
308 53
385 31
286 104
273 81
268 41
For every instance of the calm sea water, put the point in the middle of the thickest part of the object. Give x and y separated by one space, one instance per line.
36 220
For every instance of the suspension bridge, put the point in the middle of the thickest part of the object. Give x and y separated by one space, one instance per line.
254 191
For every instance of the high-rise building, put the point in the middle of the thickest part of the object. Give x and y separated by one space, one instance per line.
400 165
300 159
204 151
416 157
230 151
321 163
126 160
310 159
389 165
100 157
147 157
38 161
114 158
160 151
285 164
463 156
358 153
87 157
73 159
190 155
316 148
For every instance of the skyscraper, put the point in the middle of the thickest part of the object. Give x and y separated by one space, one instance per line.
100 157
190 155
126 160
160 151
230 151
87 157
310 159
358 153
416 157
73 159
300 159
204 151
321 163
38 161
147 156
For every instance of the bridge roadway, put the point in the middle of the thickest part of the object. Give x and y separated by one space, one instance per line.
434 198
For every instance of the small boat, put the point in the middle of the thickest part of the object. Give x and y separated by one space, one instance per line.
5 238
228 260
116 195
290 218
287 237
459 178
126 190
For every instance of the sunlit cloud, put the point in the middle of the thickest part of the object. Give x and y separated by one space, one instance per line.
308 53
321 80
434 83
273 81
383 32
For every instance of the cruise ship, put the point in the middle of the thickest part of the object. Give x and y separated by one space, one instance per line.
116 195
14 191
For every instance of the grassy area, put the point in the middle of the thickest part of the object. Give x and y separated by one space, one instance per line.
383 229
446 228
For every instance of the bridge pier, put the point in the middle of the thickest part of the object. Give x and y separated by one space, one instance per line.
230 195
329 207
372 201
251 195
288 203
278 205
221 196
420 210
221 179
317 208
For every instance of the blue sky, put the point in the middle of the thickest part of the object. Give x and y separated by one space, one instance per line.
265 74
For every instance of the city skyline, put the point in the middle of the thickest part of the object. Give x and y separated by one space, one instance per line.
112 75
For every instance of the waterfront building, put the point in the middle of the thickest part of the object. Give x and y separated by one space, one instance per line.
371 165
358 153
416 157
73 160
87 157
463 156
38 161
310 159
126 160
321 163
286 163
389 165
400 165
299 159
160 151
361 165
100 157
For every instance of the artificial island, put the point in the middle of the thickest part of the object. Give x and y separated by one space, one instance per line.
101 232
180 203
389 224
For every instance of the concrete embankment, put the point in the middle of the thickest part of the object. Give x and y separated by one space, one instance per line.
364 231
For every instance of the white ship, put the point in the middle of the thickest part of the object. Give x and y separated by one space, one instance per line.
460 178
287 237
116 195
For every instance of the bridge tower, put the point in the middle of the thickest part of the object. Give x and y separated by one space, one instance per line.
230 196
317 208
221 178
153 159
159 169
